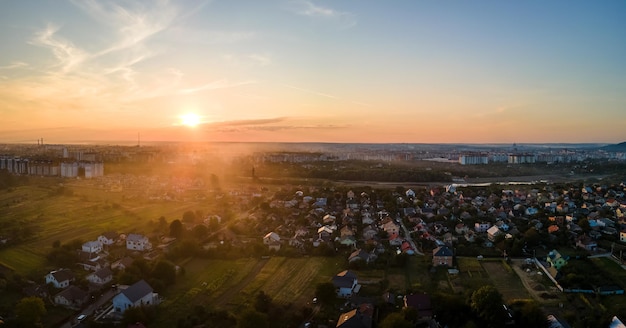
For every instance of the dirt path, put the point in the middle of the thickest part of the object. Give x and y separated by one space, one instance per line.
226 297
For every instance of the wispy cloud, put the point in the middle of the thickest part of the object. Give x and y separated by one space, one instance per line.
326 95
310 9
14 65
220 84
269 124
68 55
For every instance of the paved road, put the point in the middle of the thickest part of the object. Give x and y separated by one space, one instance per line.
105 298
407 236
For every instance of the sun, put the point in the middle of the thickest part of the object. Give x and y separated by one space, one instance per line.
190 119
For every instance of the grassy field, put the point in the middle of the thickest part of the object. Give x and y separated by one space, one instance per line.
83 215
506 280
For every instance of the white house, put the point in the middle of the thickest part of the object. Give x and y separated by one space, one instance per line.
346 284
60 278
108 238
101 277
137 242
71 297
271 238
93 246
138 294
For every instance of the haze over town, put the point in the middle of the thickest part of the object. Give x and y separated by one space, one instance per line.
313 71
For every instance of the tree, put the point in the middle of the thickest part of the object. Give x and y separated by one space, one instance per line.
530 315
164 271
176 229
200 231
262 302
189 217
29 310
487 303
252 319
325 292
395 320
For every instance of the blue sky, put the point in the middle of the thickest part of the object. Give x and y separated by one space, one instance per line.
329 71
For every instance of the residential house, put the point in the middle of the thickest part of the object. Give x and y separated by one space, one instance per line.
137 242
556 260
346 284
361 255
271 238
493 233
460 228
361 317
369 233
60 278
390 227
482 226
442 256
585 242
122 263
349 241
325 232
346 231
366 218
421 303
93 246
140 293
108 238
101 277
71 297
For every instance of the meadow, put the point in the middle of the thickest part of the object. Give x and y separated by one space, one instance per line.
52 216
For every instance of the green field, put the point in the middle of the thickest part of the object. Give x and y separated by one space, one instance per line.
224 284
83 215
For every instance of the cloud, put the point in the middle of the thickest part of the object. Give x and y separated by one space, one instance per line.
310 9
134 24
326 95
220 84
68 55
14 65
269 124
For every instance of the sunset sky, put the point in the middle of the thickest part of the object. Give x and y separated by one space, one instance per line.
313 71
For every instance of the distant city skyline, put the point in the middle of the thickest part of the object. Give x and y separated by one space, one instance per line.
313 71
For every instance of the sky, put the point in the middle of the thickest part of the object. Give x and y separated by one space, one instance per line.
402 71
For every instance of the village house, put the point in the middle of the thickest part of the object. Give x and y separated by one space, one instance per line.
101 277
108 238
60 278
137 242
138 294
72 297
421 303
442 256
361 255
93 246
493 233
346 284
555 259
361 317
122 263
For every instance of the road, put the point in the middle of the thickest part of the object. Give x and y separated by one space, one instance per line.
407 236
105 298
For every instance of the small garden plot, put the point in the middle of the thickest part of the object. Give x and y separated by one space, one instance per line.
587 274
505 280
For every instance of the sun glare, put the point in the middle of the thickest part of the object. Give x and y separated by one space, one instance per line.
190 119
